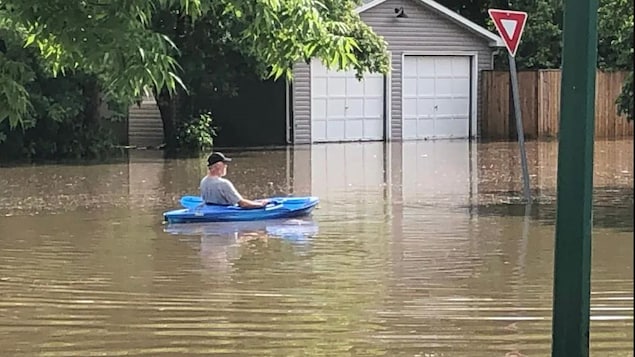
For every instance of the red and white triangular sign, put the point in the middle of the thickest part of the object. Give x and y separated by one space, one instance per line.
510 25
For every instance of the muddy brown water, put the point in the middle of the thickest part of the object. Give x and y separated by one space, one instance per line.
416 249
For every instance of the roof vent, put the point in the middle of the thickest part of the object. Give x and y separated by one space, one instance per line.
400 12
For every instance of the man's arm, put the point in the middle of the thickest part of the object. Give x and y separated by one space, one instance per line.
244 203
234 196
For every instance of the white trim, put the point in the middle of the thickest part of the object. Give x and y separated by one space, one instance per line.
473 83
474 97
388 106
368 5
289 161
388 100
498 42
287 112
473 172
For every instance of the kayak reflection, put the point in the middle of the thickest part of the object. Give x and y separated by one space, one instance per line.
219 243
296 230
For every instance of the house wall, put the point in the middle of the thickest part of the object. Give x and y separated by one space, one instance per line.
145 127
301 94
424 30
254 117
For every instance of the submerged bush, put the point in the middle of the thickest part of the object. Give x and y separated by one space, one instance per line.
197 134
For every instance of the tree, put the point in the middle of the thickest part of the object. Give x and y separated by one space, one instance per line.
541 44
108 39
60 122
115 41
615 46
266 38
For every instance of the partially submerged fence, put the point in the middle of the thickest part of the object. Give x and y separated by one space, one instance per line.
539 93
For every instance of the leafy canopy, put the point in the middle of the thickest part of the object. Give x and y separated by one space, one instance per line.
115 41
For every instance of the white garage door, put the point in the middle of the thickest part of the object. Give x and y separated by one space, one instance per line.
343 108
436 97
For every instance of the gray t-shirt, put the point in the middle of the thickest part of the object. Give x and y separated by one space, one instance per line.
219 191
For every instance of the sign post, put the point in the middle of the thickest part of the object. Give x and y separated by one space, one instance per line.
574 218
510 26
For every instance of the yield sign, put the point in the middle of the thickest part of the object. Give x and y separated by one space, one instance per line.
510 25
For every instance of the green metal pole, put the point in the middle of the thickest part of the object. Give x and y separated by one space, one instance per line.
572 271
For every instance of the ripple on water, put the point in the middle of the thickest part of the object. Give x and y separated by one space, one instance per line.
394 268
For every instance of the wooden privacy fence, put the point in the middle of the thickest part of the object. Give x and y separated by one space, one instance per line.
539 93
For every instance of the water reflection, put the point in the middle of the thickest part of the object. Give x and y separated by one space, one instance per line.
218 242
416 248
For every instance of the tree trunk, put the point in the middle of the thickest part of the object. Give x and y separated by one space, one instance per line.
93 97
169 104
168 107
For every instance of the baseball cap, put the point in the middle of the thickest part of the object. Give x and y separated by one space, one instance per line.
217 157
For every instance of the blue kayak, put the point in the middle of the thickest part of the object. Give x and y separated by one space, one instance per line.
280 207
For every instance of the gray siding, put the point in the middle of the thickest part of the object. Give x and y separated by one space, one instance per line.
145 127
301 93
424 30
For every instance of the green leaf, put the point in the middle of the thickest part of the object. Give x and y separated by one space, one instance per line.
178 80
30 39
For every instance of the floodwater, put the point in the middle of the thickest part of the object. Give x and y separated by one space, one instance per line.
416 249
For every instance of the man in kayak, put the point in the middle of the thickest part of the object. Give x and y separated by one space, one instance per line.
219 191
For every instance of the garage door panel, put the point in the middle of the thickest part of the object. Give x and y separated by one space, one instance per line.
335 130
461 87
318 109
354 129
425 127
450 128
409 108
447 107
436 91
461 66
319 71
373 108
409 68
355 108
374 85
373 128
409 128
354 88
443 87
462 106
336 108
319 130
350 107
425 108
423 65
336 87
452 106
319 87
425 87
409 86
443 68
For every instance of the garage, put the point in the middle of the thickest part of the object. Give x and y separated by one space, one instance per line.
431 91
436 97
344 108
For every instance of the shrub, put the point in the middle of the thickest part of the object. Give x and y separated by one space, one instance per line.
197 134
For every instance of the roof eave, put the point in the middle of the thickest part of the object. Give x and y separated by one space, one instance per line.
494 40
